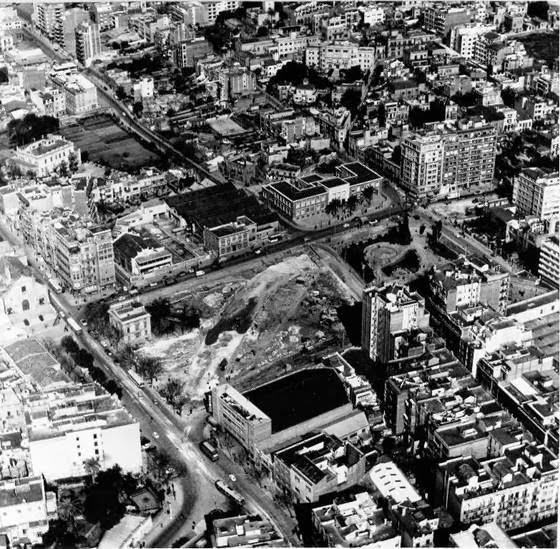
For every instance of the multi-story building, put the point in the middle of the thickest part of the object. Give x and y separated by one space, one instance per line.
44 156
83 255
440 19
88 42
236 81
449 159
389 313
25 509
102 15
355 522
131 321
49 101
317 465
421 164
536 192
49 18
298 203
188 52
243 531
213 8
81 93
466 282
77 424
469 156
514 489
549 262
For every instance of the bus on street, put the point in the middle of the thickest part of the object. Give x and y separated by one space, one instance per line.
74 326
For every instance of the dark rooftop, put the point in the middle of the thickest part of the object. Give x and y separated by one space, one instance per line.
218 205
298 397
291 192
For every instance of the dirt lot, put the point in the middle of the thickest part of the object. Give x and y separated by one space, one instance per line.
251 323
106 142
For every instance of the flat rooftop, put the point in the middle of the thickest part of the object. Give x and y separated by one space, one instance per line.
291 192
300 396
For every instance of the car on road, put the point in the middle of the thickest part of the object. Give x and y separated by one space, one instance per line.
346 225
83 322
109 352
233 478
155 435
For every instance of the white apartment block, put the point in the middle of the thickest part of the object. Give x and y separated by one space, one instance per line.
44 156
421 164
373 15
81 94
340 55
25 507
213 8
131 320
549 262
49 101
536 192
70 426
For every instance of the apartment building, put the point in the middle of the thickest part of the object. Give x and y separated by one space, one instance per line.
49 101
188 52
131 321
88 42
466 282
341 55
49 18
449 159
44 156
389 313
102 16
317 465
84 255
469 156
440 19
549 262
243 531
536 192
80 93
514 489
421 164
354 521
25 509
79 423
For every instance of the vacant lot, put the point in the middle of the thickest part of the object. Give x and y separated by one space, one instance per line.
252 326
107 143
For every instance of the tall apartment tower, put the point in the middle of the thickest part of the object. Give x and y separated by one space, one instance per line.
49 19
388 312
469 155
421 164
536 192
88 42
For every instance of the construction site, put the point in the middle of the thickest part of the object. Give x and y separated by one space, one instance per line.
255 325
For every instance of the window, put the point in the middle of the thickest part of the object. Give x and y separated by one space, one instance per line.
23 289
25 305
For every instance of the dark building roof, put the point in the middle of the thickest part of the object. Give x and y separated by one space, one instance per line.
218 205
291 192
298 397
130 245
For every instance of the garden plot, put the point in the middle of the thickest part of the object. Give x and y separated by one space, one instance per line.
247 327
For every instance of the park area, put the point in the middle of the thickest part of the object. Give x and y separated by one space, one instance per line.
396 249
253 327
100 139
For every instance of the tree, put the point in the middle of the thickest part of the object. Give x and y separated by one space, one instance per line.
92 467
121 94
96 315
262 31
508 97
138 108
149 367
30 128
160 311
73 162
368 194
351 99
352 74
103 503
83 358
172 391
69 344
538 9
63 169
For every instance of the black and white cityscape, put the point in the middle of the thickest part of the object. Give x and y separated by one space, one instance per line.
279 274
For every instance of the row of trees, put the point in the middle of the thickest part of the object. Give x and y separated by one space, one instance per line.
30 128
338 207
166 319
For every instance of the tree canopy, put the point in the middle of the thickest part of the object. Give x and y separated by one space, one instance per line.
31 128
